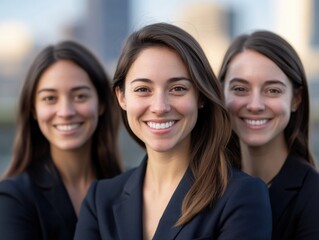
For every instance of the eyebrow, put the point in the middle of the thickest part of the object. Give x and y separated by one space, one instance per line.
170 80
72 89
266 83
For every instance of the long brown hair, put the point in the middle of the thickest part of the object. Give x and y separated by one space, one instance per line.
30 144
286 58
213 128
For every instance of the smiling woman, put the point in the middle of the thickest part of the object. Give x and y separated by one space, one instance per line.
266 92
66 138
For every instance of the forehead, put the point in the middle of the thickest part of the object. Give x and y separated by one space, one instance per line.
252 66
157 62
63 73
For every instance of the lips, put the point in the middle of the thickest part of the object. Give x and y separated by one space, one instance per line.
159 126
67 127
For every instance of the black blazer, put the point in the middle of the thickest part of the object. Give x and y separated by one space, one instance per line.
294 197
113 210
36 205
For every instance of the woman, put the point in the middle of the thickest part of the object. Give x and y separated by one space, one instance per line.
172 105
267 95
66 138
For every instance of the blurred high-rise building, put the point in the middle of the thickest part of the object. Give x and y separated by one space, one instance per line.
104 28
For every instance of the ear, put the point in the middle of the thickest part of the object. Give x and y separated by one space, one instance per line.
200 103
296 100
121 97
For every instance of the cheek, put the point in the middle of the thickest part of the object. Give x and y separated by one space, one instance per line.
282 108
135 107
233 104
43 113
90 111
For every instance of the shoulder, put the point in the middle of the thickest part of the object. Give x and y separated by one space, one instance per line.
112 188
310 184
245 189
300 174
16 185
239 179
16 189
244 208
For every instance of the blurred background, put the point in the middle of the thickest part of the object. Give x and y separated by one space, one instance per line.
102 25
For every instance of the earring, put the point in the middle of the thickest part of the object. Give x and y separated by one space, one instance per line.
201 106
293 109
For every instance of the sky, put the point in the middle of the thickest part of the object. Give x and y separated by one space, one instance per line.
24 23
42 18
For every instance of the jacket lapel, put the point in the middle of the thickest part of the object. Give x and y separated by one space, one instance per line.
165 228
128 211
286 185
57 207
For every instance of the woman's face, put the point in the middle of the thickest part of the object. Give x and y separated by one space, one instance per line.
259 97
160 100
66 106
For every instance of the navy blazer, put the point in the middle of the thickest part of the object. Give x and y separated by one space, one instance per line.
36 205
294 197
113 210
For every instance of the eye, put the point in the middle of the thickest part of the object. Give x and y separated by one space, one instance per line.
273 91
49 99
239 90
141 89
81 97
179 89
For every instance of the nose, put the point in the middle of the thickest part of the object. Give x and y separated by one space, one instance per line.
256 103
160 104
65 108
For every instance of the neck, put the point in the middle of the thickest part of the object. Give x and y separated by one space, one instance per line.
165 170
264 161
75 167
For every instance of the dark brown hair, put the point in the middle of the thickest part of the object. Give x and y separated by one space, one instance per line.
286 58
31 145
213 128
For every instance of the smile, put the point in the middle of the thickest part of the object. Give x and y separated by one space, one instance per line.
256 122
67 127
158 126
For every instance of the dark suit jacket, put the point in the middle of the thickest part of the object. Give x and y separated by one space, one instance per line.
113 210
36 205
294 196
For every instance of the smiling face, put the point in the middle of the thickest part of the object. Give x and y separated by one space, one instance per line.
160 100
260 99
66 106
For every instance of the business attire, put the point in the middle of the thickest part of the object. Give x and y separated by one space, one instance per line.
35 205
294 196
113 210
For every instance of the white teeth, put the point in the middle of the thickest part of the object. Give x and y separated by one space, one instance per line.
255 122
67 127
160 125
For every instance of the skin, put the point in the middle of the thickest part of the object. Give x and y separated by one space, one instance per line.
260 98
67 111
66 106
161 103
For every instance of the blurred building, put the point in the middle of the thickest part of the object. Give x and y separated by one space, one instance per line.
103 28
